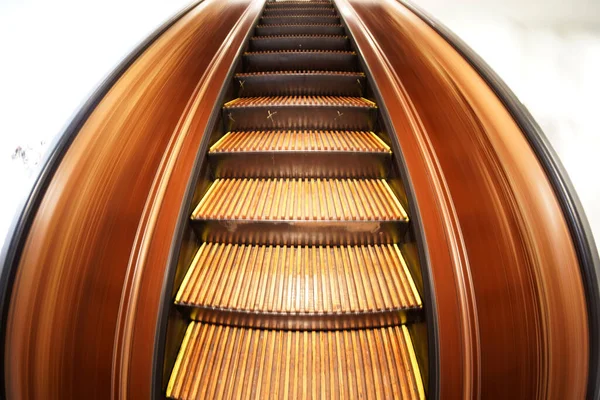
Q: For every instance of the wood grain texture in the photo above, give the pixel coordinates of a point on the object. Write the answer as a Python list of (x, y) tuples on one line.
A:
[(511, 312), (300, 199), (299, 280), (223, 362), (81, 321)]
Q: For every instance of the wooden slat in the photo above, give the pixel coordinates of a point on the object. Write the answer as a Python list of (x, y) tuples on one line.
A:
[(352, 141), (282, 279), (281, 101), (220, 361), (315, 199)]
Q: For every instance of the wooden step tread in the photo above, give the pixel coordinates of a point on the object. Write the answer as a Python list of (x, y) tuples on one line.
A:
[(300, 200), (299, 280), (261, 141), (295, 101), (218, 361)]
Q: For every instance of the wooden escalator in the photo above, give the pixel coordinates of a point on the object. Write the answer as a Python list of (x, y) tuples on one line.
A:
[(300, 288)]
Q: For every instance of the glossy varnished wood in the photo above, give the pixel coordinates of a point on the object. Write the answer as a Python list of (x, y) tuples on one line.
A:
[(299, 280), (223, 362), (82, 322), (511, 315)]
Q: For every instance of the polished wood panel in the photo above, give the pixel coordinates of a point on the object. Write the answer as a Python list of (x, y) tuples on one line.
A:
[(511, 314), (82, 322)]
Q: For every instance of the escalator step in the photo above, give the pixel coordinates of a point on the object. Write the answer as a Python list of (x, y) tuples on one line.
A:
[(300, 154), (300, 19), (301, 83), (300, 112), (300, 141), (300, 199), (294, 29), (270, 12), (218, 361), (309, 287), (322, 60), (299, 42)]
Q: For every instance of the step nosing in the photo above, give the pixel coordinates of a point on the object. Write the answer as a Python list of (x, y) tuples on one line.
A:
[(294, 36), (349, 52), (267, 313), (299, 72)]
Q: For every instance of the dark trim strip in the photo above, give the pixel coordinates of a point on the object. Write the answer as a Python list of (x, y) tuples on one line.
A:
[(572, 208), (183, 219), (428, 295), (19, 230)]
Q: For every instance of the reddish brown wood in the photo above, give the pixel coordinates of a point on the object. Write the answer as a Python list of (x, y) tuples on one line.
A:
[(81, 320), (511, 312)]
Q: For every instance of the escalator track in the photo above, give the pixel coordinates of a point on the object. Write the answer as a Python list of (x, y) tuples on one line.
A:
[(300, 288)]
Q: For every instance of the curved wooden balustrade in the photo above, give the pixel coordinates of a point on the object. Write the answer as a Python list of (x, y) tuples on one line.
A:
[(82, 320), (511, 311)]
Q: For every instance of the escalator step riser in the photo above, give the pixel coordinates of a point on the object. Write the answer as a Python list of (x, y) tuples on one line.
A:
[(300, 165), (300, 117), (300, 19), (299, 42), (299, 29), (301, 60), (228, 362), (317, 83)]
